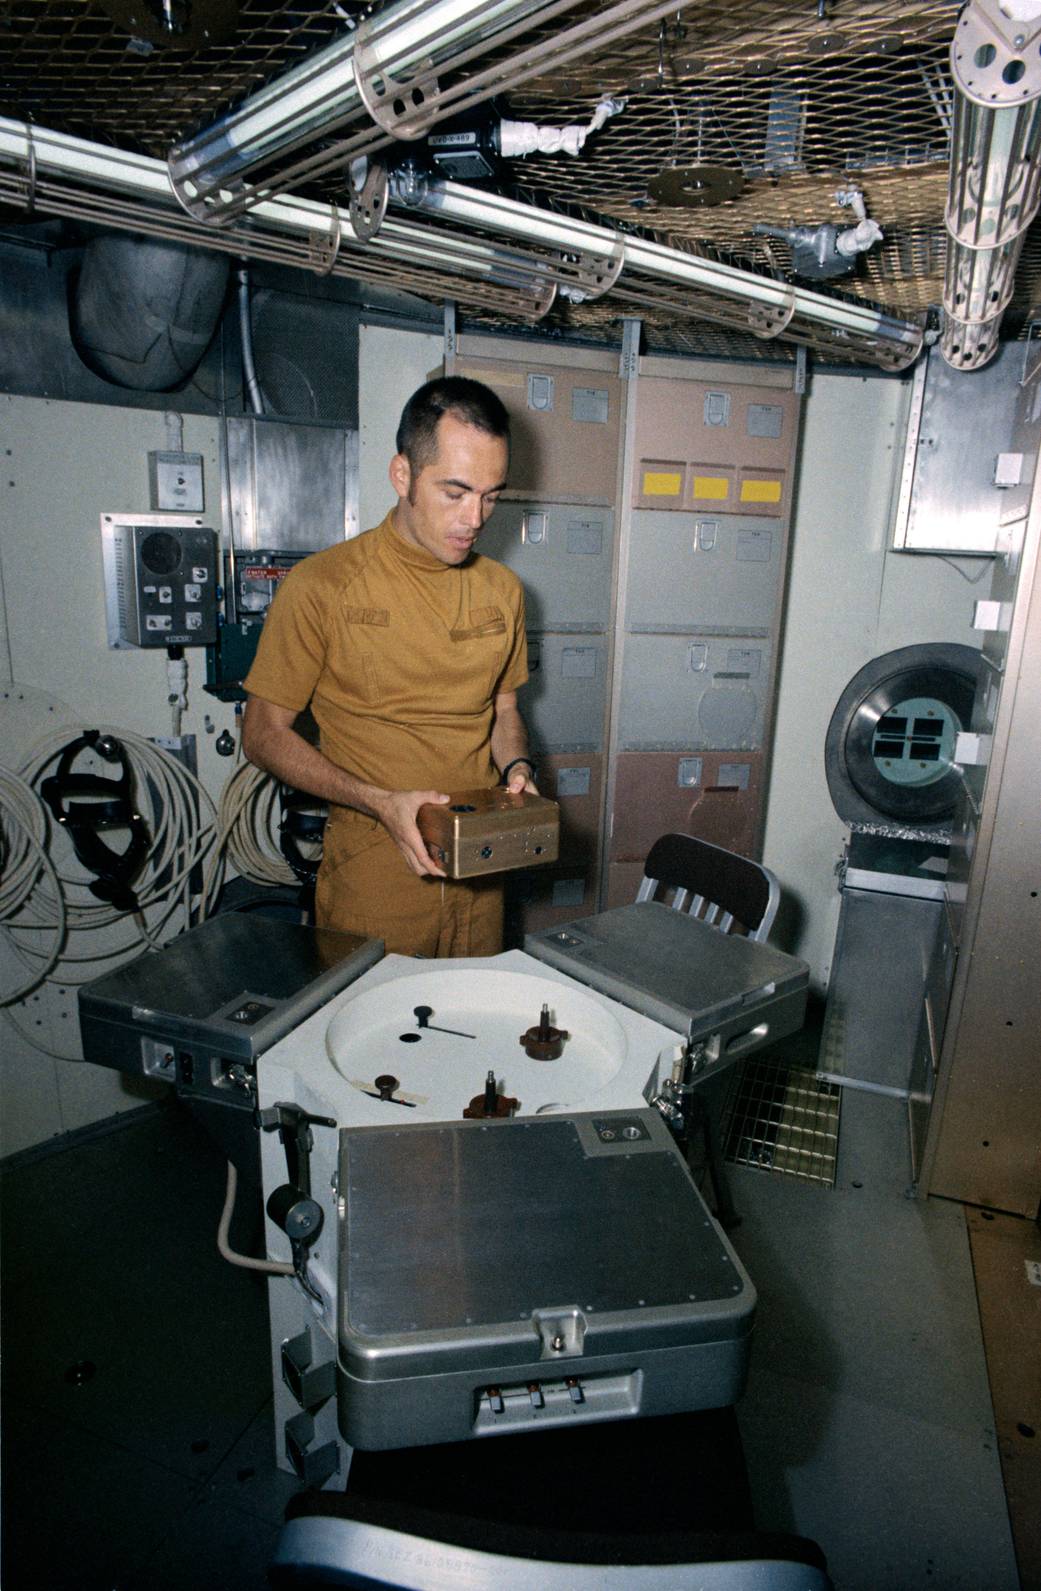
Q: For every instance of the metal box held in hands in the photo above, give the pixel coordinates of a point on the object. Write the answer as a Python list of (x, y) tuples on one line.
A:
[(503, 1276), (490, 831)]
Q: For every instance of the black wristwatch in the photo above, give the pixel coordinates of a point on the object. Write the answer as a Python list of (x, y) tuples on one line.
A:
[(505, 776)]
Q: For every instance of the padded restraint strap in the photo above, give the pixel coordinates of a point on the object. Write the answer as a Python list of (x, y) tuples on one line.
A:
[(103, 804), (299, 821)]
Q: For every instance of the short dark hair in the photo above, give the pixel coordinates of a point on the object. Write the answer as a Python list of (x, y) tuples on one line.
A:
[(469, 401)]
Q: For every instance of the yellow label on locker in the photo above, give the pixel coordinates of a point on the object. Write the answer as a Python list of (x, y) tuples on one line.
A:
[(658, 483), (760, 491), (711, 488)]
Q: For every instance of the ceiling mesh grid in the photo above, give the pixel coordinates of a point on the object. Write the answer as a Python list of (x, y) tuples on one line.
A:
[(770, 101)]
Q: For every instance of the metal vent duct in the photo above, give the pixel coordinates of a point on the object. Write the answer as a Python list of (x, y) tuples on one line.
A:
[(144, 312)]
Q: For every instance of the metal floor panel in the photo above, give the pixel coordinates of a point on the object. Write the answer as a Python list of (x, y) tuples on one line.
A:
[(780, 1117)]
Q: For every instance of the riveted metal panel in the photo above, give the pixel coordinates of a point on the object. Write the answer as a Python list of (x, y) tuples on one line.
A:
[(716, 446), (689, 691), (562, 554), (293, 487), (564, 700), (562, 447), (708, 572), (652, 797)]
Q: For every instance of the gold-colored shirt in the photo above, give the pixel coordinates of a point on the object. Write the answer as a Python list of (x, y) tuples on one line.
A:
[(399, 655)]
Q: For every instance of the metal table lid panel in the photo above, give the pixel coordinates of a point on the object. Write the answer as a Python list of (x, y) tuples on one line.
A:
[(241, 978), (668, 965), (457, 1236)]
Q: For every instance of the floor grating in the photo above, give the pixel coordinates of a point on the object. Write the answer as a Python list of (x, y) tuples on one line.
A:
[(782, 1118)]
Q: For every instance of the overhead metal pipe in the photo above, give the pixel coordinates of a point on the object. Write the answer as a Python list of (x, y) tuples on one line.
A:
[(398, 74), (356, 76), (994, 186), (58, 174), (542, 252), (660, 263)]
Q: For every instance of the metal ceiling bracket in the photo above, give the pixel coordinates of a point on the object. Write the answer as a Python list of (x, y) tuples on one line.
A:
[(994, 59), (543, 299), (770, 320), (629, 359), (403, 109), (894, 356), (323, 251), (695, 187), (30, 177), (369, 203), (597, 273)]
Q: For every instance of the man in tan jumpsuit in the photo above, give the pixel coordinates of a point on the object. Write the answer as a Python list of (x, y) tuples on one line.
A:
[(410, 648)]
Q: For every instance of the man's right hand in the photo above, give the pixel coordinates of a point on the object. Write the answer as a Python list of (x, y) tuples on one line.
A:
[(397, 810), (270, 741)]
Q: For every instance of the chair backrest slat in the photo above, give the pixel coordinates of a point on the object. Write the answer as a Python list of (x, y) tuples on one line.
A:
[(731, 888)]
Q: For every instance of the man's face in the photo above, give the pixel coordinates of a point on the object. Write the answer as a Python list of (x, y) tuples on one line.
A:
[(442, 506)]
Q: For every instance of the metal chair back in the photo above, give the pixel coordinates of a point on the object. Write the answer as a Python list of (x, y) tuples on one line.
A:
[(721, 887)]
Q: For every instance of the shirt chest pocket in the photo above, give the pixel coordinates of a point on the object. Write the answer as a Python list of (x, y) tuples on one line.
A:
[(479, 651), (366, 633), (427, 668)]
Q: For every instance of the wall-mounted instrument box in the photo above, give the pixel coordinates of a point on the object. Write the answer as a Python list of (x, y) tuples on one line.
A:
[(160, 580), (175, 482)]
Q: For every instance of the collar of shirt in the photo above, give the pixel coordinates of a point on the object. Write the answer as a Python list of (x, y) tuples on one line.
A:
[(405, 552)]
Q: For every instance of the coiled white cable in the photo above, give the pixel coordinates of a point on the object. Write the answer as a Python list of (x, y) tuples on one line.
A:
[(43, 896), (181, 818), (248, 819), (31, 899)]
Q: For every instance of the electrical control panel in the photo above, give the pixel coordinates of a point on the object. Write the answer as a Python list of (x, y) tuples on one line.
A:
[(160, 580), (253, 577)]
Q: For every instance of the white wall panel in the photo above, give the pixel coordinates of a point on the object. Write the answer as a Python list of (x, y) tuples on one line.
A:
[(391, 365), (849, 599), (562, 554), (66, 464), (69, 462)]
